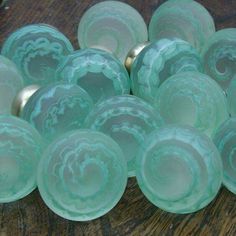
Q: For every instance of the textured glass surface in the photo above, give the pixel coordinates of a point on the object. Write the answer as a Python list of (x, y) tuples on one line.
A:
[(11, 83), (127, 119), (57, 108), (219, 56), (225, 141), (113, 25), (20, 151), (231, 97), (179, 169), (185, 19), (82, 175), (37, 50), (194, 99), (160, 60), (97, 72)]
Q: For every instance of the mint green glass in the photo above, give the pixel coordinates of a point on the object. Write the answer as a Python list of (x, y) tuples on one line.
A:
[(56, 109), (185, 19), (231, 95), (20, 151), (11, 82), (37, 50), (82, 175), (219, 56), (127, 119), (225, 141), (192, 98), (96, 71), (112, 25), (160, 60), (179, 169)]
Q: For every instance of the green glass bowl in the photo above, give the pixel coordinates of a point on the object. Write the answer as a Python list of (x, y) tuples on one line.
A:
[(11, 82), (185, 19), (56, 109), (96, 71), (82, 175), (127, 119), (219, 56), (112, 25), (37, 50), (160, 60), (179, 169), (192, 98), (225, 141), (20, 151)]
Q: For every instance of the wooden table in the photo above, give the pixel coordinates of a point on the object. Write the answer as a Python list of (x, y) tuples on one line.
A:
[(133, 215)]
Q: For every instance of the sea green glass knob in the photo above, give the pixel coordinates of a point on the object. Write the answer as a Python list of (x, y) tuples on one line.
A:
[(82, 175), (113, 25), (37, 50), (194, 99), (225, 141), (185, 19), (20, 152), (97, 72), (57, 108), (127, 119), (158, 61), (219, 56), (179, 169), (11, 82)]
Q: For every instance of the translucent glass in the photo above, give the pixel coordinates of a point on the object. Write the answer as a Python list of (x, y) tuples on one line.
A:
[(20, 152), (179, 169), (11, 82), (219, 56), (231, 95), (225, 140), (97, 72), (112, 25), (37, 50), (158, 61), (82, 175), (127, 119), (57, 108), (194, 99), (185, 19)]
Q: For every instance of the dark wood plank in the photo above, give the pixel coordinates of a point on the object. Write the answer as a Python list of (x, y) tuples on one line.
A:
[(133, 215)]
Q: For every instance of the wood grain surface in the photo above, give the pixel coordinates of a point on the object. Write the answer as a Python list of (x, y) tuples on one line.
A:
[(133, 215)]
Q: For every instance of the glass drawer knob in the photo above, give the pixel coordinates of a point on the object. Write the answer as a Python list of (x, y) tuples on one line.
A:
[(57, 108), (113, 25), (219, 57), (37, 50), (179, 169), (82, 175), (194, 99), (185, 19), (11, 82), (160, 60), (20, 151), (96, 71), (127, 119)]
